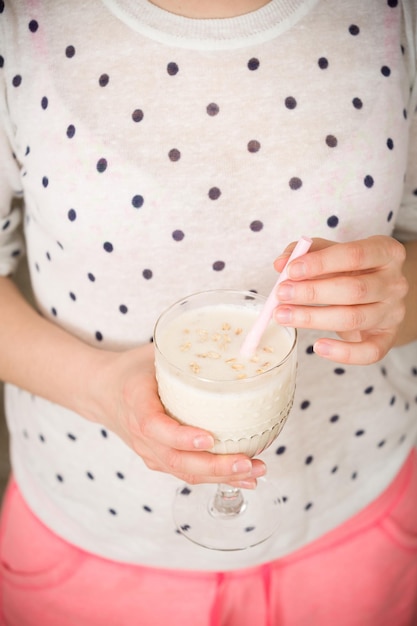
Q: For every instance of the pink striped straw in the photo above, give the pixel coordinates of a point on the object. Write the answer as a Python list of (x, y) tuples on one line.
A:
[(253, 337)]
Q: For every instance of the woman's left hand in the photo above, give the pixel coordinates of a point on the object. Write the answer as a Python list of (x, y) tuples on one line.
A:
[(356, 289)]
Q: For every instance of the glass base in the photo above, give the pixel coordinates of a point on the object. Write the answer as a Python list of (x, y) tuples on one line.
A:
[(197, 519)]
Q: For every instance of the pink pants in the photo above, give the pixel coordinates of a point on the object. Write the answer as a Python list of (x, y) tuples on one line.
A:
[(362, 574)]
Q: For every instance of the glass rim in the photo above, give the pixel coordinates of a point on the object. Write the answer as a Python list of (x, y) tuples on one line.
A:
[(196, 377)]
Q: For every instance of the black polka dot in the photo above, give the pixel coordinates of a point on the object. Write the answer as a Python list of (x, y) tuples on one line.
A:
[(256, 226), (69, 52), (72, 296), (42, 438), (385, 71), (254, 146), (357, 103), (354, 476), (1, 6), (33, 26), (332, 221), (178, 235), (98, 336), (339, 371), (331, 141), (308, 506), (45, 181), (16, 80), (295, 183), (101, 165), (44, 103), (103, 80), (137, 115), (249, 529), (137, 201), (120, 475), (147, 508), (90, 476), (104, 433), (290, 102), (214, 193), (71, 437), (323, 63), (174, 155), (310, 350), (1, 61), (334, 469), (108, 246), (334, 419), (123, 309), (305, 404), (392, 3), (359, 433), (172, 69), (27, 151), (147, 274), (185, 491), (309, 460), (212, 109), (60, 478), (368, 390), (354, 29), (368, 181), (390, 143), (218, 266), (112, 512), (280, 450), (91, 277), (381, 443), (390, 216), (253, 64), (70, 131), (54, 312)]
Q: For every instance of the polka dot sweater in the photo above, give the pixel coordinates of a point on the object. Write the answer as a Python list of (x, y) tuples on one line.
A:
[(159, 155)]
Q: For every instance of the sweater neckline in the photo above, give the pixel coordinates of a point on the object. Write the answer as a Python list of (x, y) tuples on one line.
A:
[(252, 28)]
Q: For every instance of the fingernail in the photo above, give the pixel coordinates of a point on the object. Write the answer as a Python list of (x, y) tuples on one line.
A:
[(322, 349), (297, 269), (283, 315), (247, 484), (203, 442), (258, 470), (285, 292), (244, 466)]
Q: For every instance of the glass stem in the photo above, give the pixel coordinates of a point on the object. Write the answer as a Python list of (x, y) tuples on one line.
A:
[(227, 502)]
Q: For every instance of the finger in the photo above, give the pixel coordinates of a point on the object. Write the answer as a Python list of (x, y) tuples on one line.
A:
[(370, 253), (344, 289), (341, 318), (160, 427), (356, 353), (206, 467)]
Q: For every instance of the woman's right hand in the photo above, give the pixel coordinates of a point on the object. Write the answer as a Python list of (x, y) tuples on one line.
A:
[(126, 401)]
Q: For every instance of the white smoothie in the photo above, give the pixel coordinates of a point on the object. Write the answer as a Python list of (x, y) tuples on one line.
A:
[(203, 381)]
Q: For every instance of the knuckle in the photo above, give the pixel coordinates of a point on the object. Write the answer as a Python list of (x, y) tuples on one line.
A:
[(355, 255), (354, 319), (361, 289), (310, 292), (173, 460)]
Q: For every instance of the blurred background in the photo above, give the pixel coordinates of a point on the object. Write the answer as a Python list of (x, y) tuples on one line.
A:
[(22, 279)]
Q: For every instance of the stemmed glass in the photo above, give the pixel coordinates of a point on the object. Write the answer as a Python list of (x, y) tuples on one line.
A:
[(245, 412)]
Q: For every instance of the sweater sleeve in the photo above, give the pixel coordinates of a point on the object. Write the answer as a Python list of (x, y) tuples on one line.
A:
[(11, 241), (406, 223)]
